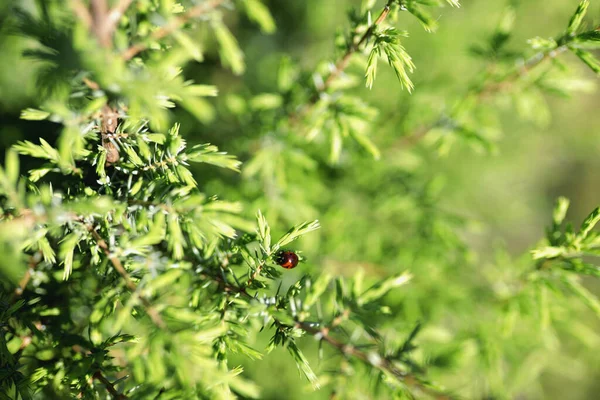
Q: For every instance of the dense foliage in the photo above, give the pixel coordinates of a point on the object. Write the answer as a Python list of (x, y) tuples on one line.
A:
[(138, 260)]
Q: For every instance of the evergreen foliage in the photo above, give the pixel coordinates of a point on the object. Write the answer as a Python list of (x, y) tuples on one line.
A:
[(124, 275)]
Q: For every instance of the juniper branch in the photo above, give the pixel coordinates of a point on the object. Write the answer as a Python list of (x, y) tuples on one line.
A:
[(492, 87), (99, 14), (168, 29), (109, 386), (82, 12), (115, 14), (341, 64), (152, 313), (34, 260), (383, 364)]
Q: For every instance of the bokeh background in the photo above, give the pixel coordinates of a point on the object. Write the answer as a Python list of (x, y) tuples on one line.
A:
[(456, 219)]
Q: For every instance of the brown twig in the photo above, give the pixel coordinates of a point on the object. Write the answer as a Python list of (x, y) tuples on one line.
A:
[(381, 363), (488, 89), (115, 14), (34, 260), (152, 313), (82, 12), (99, 15), (341, 65), (109, 386), (255, 275), (493, 87), (166, 30)]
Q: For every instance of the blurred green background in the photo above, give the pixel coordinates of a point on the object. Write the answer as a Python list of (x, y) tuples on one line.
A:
[(373, 212)]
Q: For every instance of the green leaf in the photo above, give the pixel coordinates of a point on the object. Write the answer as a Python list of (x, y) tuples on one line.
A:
[(362, 139), (316, 289), (371, 71), (336, 146), (560, 210), (296, 232), (302, 364), (588, 298), (388, 42), (264, 232), (576, 19), (548, 252), (33, 114), (202, 90), (12, 166), (67, 250), (175, 239), (589, 59), (589, 223), (426, 20), (229, 50), (266, 101), (544, 44), (38, 151), (155, 235), (165, 279), (260, 14), (380, 289), (210, 154), (193, 47), (586, 40)]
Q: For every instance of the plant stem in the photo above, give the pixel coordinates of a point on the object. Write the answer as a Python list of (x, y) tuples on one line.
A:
[(383, 364), (340, 65), (34, 260), (115, 14), (109, 386), (489, 88), (166, 30), (152, 313), (82, 12)]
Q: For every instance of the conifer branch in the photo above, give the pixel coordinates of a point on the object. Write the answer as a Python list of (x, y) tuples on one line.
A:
[(115, 14), (99, 14), (383, 364), (342, 63), (168, 29), (34, 260), (109, 386), (82, 12), (152, 313), (492, 87)]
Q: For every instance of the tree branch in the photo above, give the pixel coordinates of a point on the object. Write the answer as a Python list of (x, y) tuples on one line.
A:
[(341, 65), (109, 386), (382, 363), (166, 30), (115, 15), (34, 260), (489, 88), (82, 12), (99, 14), (152, 313)]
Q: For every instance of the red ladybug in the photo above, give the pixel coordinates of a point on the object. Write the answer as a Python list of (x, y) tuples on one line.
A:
[(287, 259)]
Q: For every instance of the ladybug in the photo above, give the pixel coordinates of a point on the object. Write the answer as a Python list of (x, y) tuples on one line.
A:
[(287, 259)]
